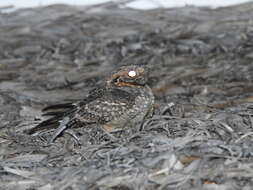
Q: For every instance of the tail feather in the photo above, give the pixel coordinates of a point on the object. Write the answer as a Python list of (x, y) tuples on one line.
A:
[(42, 126), (52, 113), (59, 106), (58, 112)]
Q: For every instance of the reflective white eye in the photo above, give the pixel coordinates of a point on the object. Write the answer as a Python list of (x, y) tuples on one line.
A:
[(132, 73)]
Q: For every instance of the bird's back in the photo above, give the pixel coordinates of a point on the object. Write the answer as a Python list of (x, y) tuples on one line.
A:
[(124, 100)]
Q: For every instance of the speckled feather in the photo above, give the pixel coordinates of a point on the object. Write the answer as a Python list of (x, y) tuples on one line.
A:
[(124, 100)]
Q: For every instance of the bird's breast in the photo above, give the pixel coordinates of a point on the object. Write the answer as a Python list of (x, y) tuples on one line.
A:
[(144, 102), (142, 106)]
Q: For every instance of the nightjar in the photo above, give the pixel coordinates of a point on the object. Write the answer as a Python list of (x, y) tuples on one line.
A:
[(124, 100)]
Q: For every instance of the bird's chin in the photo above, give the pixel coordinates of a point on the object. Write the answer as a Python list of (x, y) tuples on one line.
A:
[(140, 82), (129, 84)]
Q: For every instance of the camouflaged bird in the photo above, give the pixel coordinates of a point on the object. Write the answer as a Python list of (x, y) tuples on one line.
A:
[(125, 100)]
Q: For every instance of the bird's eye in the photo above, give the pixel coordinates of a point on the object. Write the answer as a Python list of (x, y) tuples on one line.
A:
[(132, 73)]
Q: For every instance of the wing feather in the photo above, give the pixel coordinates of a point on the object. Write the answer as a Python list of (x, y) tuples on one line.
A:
[(93, 109)]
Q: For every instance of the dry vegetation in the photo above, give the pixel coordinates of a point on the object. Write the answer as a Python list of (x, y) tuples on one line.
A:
[(202, 76)]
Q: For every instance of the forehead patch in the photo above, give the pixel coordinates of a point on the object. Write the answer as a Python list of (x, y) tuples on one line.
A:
[(132, 73)]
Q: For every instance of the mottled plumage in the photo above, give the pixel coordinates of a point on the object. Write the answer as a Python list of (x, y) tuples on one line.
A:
[(125, 100)]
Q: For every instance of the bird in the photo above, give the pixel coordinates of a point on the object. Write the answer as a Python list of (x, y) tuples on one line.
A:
[(124, 100)]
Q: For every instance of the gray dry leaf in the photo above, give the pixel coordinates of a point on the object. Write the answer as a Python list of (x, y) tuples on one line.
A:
[(200, 63)]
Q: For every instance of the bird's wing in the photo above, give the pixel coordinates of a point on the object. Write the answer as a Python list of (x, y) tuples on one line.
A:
[(96, 108), (111, 104)]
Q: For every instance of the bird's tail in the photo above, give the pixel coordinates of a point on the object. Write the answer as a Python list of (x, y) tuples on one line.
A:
[(58, 112)]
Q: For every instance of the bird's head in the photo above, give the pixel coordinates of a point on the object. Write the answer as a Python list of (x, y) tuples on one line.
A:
[(129, 75)]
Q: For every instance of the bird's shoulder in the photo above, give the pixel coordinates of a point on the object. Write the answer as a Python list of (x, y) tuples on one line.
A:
[(107, 95)]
